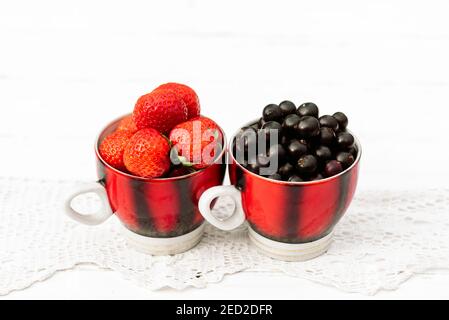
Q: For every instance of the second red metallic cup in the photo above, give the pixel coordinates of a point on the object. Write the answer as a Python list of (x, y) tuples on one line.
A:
[(160, 216), (287, 220)]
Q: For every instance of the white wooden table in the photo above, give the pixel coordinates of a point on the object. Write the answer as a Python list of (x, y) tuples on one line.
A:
[(66, 70)]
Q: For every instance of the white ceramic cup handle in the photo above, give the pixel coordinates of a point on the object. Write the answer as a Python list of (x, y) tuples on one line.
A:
[(94, 218), (236, 218)]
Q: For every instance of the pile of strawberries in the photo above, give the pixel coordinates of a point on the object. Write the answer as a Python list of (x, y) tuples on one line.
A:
[(165, 136)]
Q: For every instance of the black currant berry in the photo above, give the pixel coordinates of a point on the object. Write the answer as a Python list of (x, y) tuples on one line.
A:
[(247, 136), (308, 127), (345, 158), (308, 109), (286, 170), (290, 123), (295, 178), (319, 176), (275, 176), (342, 120), (353, 151), (332, 168), (263, 161), (323, 153), (345, 140), (285, 140), (287, 107), (277, 151), (253, 167), (271, 127), (307, 164), (327, 136), (296, 149), (329, 122), (305, 142), (272, 112)]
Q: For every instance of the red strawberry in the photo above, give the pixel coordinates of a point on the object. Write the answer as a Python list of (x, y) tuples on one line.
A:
[(161, 109), (187, 94), (127, 124), (147, 154), (197, 141), (112, 148)]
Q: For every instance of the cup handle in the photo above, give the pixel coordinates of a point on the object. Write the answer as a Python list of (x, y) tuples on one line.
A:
[(94, 218), (238, 216)]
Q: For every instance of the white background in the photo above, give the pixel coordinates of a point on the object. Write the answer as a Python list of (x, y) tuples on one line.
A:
[(68, 68)]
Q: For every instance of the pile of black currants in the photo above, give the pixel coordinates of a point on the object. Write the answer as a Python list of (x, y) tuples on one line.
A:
[(302, 145)]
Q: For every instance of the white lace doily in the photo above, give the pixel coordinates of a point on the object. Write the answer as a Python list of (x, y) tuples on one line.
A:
[(384, 239)]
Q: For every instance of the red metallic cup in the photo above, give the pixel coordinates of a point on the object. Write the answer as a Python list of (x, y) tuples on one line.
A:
[(160, 216), (287, 220)]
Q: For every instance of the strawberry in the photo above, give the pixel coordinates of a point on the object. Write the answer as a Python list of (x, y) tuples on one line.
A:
[(147, 154), (161, 109), (127, 124), (196, 142), (112, 147), (187, 94)]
